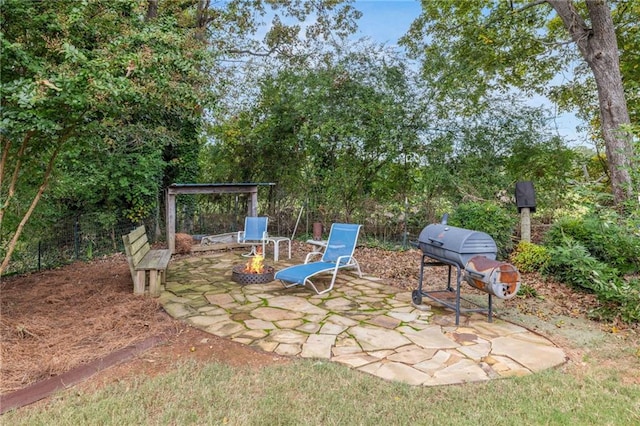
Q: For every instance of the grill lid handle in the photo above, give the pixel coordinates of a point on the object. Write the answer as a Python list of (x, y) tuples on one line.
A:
[(438, 242)]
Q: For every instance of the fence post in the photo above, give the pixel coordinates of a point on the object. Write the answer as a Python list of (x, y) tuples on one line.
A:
[(406, 219), (76, 239)]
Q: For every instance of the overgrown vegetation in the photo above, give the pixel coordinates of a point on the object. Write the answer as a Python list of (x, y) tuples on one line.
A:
[(603, 236), (590, 253)]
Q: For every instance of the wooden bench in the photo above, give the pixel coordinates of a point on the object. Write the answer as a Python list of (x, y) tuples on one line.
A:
[(143, 261)]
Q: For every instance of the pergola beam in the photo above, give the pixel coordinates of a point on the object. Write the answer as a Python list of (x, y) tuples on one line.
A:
[(206, 188)]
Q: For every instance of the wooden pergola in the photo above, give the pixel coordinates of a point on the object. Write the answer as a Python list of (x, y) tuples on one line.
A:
[(206, 188)]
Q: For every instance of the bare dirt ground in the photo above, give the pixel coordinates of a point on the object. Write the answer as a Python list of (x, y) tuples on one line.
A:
[(54, 321)]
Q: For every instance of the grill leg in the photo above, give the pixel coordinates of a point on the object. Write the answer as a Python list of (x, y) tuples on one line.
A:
[(490, 308), (421, 274), (416, 295), (458, 282)]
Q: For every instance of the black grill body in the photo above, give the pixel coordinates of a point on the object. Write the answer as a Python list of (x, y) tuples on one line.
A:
[(472, 254)]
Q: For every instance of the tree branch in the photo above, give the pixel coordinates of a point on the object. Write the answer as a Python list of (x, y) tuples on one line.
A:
[(252, 53), (529, 5), (16, 170), (34, 202), (573, 22)]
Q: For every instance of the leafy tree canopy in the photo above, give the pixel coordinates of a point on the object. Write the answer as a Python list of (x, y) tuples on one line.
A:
[(473, 48)]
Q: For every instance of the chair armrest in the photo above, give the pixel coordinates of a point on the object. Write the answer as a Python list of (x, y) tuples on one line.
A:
[(310, 255), (341, 258)]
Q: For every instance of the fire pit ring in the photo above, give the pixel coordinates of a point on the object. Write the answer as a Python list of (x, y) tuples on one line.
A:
[(239, 275)]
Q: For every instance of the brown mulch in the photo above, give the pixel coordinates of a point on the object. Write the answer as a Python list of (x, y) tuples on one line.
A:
[(55, 320), (58, 320)]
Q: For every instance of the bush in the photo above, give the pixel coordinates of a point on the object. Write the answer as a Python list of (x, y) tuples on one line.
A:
[(529, 257), (490, 218), (603, 238), (572, 264)]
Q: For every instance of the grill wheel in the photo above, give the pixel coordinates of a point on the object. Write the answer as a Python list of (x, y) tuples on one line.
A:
[(416, 297)]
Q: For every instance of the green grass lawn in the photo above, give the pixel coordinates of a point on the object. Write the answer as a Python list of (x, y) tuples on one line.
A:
[(308, 392)]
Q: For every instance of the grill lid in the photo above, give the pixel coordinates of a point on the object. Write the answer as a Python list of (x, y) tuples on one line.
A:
[(454, 244)]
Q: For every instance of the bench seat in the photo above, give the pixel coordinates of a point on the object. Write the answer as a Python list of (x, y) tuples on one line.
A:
[(145, 262)]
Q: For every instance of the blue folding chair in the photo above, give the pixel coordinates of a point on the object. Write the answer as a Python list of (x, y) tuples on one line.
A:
[(337, 255), (255, 232)]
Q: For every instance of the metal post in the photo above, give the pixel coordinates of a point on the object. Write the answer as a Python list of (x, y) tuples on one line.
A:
[(76, 239), (406, 219)]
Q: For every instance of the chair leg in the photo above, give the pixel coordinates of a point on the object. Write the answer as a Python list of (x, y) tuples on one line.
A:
[(289, 285), (154, 284), (139, 285), (326, 290), (252, 253), (357, 265)]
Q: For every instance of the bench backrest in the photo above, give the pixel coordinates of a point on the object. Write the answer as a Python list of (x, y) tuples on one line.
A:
[(136, 246)]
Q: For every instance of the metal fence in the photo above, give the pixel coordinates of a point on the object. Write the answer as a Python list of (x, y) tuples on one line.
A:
[(80, 238), (86, 237)]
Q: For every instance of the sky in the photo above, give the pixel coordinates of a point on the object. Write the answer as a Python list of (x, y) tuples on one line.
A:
[(385, 21)]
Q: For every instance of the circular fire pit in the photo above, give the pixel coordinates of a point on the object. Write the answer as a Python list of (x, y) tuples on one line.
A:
[(239, 275)]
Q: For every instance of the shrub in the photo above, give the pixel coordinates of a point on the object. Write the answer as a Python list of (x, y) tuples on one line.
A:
[(572, 264), (529, 257), (602, 237), (490, 218), (620, 300)]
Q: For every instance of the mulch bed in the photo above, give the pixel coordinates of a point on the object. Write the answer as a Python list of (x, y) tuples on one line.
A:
[(56, 320)]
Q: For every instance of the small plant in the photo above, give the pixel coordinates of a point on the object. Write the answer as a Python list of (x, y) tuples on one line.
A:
[(526, 291), (529, 257)]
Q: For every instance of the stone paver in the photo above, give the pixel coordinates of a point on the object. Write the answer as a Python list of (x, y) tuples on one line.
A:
[(362, 323)]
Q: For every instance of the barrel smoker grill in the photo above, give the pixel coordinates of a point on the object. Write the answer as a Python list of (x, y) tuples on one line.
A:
[(472, 254)]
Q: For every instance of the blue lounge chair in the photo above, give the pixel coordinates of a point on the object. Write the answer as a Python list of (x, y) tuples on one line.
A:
[(255, 232), (337, 255)]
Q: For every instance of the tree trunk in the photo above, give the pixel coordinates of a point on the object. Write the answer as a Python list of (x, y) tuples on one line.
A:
[(599, 47), (152, 10), (45, 181)]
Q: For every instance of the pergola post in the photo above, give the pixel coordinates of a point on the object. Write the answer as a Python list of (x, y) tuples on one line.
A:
[(171, 220)]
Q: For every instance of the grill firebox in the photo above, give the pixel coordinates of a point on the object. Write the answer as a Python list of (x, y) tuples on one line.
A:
[(472, 254)]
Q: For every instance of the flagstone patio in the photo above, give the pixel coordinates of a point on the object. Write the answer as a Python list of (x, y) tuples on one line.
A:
[(362, 323)]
